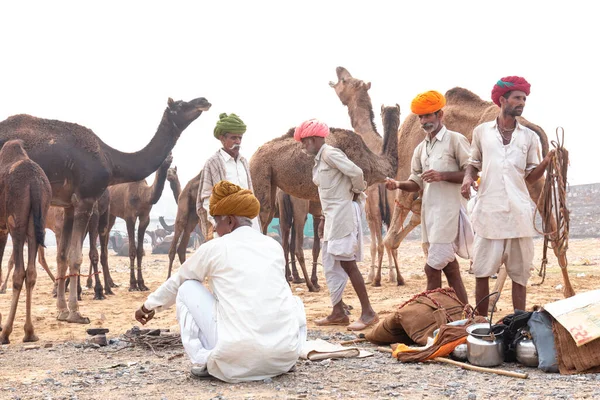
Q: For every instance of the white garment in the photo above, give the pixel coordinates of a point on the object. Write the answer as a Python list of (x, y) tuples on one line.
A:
[(259, 321), (235, 172), (440, 254), (504, 208), (348, 248), (516, 254)]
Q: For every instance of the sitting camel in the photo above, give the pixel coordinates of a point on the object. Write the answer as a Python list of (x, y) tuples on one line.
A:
[(293, 213), (133, 202), (24, 203)]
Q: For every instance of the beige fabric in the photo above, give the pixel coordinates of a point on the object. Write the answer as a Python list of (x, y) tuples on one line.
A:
[(348, 248), (440, 254), (338, 179), (516, 254), (216, 170), (447, 151), (504, 209)]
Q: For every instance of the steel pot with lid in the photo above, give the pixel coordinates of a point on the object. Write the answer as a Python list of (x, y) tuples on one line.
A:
[(527, 353), (485, 345)]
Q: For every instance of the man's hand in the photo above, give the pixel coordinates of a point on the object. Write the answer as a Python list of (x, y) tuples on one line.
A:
[(465, 189), (142, 316), (432, 176), (321, 228), (391, 184), (549, 156)]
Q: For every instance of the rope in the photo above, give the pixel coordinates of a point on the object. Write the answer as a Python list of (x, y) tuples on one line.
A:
[(76, 274), (554, 198)]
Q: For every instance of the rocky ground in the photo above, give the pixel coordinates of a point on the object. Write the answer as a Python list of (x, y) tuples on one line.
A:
[(64, 365)]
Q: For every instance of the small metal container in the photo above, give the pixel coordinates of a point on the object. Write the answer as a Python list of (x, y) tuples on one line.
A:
[(527, 353), (483, 348), (460, 352)]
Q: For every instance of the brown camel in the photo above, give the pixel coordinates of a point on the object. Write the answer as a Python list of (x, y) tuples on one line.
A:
[(133, 202), (464, 110), (353, 93), (293, 213), (185, 221), (173, 179), (80, 167), (24, 202), (270, 166)]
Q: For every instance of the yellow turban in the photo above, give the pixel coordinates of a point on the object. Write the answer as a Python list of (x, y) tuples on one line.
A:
[(230, 199), (428, 103)]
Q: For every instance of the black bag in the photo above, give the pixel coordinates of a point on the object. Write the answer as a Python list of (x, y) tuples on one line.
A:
[(516, 329)]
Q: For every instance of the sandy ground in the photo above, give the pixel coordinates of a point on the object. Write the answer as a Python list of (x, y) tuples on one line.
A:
[(116, 314)]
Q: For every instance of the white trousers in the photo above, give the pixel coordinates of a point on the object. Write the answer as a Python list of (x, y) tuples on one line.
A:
[(197, 316), (348, 248)]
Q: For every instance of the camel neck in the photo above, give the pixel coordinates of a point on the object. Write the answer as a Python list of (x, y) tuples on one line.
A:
[(175, 188), (361, 115)]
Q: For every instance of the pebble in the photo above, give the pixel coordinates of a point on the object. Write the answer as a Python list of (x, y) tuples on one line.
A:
[(268, 380), (472, 396)]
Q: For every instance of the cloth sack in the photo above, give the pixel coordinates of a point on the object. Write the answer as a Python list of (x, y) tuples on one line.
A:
[(388, 331), (540, 327)]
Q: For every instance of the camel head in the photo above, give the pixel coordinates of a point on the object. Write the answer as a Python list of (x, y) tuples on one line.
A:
[(172, 174), (12, 151), (182, 113), (348, 87)]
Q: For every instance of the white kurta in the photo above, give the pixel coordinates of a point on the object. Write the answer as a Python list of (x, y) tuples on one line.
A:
[(258, 318)]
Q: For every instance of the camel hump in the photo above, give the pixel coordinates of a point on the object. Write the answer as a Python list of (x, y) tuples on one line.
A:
[(458, 95)]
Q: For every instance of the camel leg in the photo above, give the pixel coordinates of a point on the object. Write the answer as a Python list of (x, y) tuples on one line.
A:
[(316, 249), (497, 288), (391, 271), (173, 249), (130, 223), (94, 258), (18, 280), (103, 233), (143, 224), (82, 213), (296, 252), (299, 251), (30, 279), (63, 244), (3, 239)]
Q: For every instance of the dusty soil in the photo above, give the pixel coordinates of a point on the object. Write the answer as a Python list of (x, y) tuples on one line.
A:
[(66, 366)]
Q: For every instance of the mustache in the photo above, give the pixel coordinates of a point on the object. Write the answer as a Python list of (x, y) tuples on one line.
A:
[(307, 153), (428, 125), (235, 146)]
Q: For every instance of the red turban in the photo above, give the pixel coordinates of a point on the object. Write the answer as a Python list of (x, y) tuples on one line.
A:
[(427, 103), (507, 84), (311, 128)]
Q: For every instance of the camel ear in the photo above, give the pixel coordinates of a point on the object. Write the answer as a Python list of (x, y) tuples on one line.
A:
[(382, 108), (170, 102), (175, 168), (368, 85), (398, 106)]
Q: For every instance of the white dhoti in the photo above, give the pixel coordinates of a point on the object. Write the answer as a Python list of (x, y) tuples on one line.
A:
[(516, 254), (348, 248), (441, 254), (197, 316)]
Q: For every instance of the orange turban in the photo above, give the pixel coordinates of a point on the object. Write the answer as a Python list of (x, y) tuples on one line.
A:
[(427, 103), (230, 199)]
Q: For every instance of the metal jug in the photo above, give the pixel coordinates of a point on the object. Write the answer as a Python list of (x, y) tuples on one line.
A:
[(485, 346)]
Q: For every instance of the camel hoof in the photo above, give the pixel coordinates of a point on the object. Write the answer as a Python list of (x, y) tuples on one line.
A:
[(400, 281), (112, 284), (76, 318), (314, 289), (133, 288), (107, 290), (4, 340), (62, 315), (3, 291), (298, 280), (142, 287), (376, 283), (30, 338), (99, 296), (89, 284)]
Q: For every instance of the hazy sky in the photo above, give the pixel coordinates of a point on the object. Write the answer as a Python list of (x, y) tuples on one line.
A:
[(112, 65)]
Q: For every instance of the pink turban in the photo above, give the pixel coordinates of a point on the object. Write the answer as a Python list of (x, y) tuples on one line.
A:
[(507, 84), (311, 128)]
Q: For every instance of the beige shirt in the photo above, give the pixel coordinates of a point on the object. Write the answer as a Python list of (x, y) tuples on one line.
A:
[(338, 179), (447, 151), (504, 209)]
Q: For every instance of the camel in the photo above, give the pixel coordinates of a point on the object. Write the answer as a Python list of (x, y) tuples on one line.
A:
[(80, 167), (464, 110), (292, 218), (133, 202), (24, 203), (353, 93), (173, 179), (270, 166), (185, 221)]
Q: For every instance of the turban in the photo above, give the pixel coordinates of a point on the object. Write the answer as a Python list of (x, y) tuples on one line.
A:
[(229, 124), (230, 199), (311, 128), (508, 84), (427, 103)]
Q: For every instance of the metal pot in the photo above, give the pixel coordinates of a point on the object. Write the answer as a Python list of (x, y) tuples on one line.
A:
[(527, 353), (460, 352), (485, 348)]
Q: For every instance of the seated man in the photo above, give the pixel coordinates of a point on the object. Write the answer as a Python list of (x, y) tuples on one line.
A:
[(249, 326)]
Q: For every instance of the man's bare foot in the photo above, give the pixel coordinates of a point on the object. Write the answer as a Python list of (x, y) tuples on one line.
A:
[(359, 325), (332, 321)]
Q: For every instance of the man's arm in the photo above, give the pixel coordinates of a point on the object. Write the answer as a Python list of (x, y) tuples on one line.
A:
[(414, 182), (461, 154), (538, 171), (339, 160)]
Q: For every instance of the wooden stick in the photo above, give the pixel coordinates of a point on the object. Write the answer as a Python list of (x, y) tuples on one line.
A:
[(469, 366), (353, 341), (481, 369)]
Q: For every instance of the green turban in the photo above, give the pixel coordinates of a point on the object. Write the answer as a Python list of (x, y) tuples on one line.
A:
[(229, 124)]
